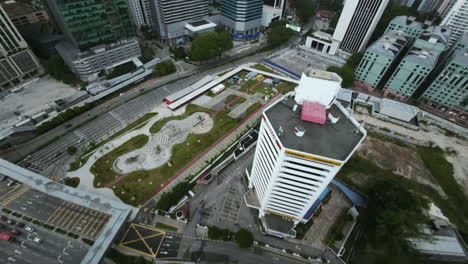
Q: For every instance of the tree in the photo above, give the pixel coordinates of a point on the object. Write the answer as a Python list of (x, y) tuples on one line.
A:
[(71, 150), (244, 238), (305, 9), (394, 214), (209, 45), (346, 73), (279, 34), (179, 52), (170, 198), (121, 70), (164, 68), (56, 68)]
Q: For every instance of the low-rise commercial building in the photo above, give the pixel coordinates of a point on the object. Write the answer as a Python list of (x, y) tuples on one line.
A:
[(418, 63), (378, 59)]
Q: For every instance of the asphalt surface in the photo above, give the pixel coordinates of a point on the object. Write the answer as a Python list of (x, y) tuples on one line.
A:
[(71, 217), (113, 116), (54, 248)]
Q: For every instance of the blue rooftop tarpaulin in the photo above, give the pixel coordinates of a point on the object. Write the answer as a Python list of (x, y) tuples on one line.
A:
[(316, 204)]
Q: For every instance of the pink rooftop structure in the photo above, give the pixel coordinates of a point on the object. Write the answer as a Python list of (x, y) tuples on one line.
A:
[(313, 112)]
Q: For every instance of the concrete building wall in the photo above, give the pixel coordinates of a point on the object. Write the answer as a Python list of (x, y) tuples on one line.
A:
[(242, 18), (457, 20), (357, 23)]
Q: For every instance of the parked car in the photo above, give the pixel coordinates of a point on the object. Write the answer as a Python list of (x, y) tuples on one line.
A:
[(10, 183), (19, 224), (3, 218), (2, 178), (15, 232), (11, 222), (29, 229), (37, 240)]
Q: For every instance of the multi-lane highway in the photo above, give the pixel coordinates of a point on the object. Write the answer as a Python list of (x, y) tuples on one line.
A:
[(114, 116)]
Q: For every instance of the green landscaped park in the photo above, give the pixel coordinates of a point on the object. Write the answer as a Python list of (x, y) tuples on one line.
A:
[(138, 186)]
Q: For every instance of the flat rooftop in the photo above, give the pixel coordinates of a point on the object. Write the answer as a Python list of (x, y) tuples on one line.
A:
[(278, 223), (330, 140)]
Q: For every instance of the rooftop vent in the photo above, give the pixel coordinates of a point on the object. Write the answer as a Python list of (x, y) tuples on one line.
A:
[(386, 46), (299, 131)]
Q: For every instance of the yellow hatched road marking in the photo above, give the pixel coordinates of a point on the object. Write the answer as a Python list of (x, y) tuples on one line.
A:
[(60, 206), (77, 213), (15, 195), (63, 207), (72, 213), (96, 220), (95, 212), (65, 213), (77, 227), (98, 228), (12, 190)]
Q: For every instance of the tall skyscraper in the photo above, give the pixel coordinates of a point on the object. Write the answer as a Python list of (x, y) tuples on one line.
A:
[(457, 20), (378, 59), (99, 33), (357, 23), (427, 6), (17, 62), (143, 13), (173, 15), (242, 18), (304, 140), (420, 60)]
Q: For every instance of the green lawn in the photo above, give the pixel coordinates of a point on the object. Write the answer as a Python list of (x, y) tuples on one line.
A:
[(102, 168), (135, 192), (260, 67), (166, 227), (287, 86), (135, 125), (263, 89), (248, 84), (252, 109), (231, 97), (188, 112), (119, 258)]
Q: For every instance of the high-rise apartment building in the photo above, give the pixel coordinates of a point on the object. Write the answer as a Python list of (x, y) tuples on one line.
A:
[(420, 60), (427, 6), (378, 59), (357, 23), (24, 15), (444, 7), (304, 140), (173, 15), (242, 18), (17, 62), (99, 34), (450, 87), (408, 25), (142, 12), (457, 20)]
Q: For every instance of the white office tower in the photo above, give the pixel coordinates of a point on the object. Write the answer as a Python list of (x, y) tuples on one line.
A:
[(355, 26), (457, 20), (304, 140), (357, 23), (142, 12)]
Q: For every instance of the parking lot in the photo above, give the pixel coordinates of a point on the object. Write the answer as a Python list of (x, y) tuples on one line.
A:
[(299, 61), (38, 246), (48, 209)]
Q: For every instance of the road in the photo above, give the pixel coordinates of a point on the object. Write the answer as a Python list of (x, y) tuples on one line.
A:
[(54, 248), (113, 116)]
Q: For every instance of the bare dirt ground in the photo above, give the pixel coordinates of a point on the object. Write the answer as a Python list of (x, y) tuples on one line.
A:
[(32, 100), (456, 148), (400, 160)]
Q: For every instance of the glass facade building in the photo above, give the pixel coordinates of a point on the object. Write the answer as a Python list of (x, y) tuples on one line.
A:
[(242, 18)]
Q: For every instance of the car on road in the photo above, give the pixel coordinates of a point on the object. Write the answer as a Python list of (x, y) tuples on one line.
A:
[(29, 229), (57, 154), (15, 232)]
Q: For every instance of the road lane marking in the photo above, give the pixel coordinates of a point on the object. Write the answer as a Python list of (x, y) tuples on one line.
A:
[(99, 228), (72, 221), (72, 213), (94, 211), (80, 222), (48, 220), (57, 213)]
